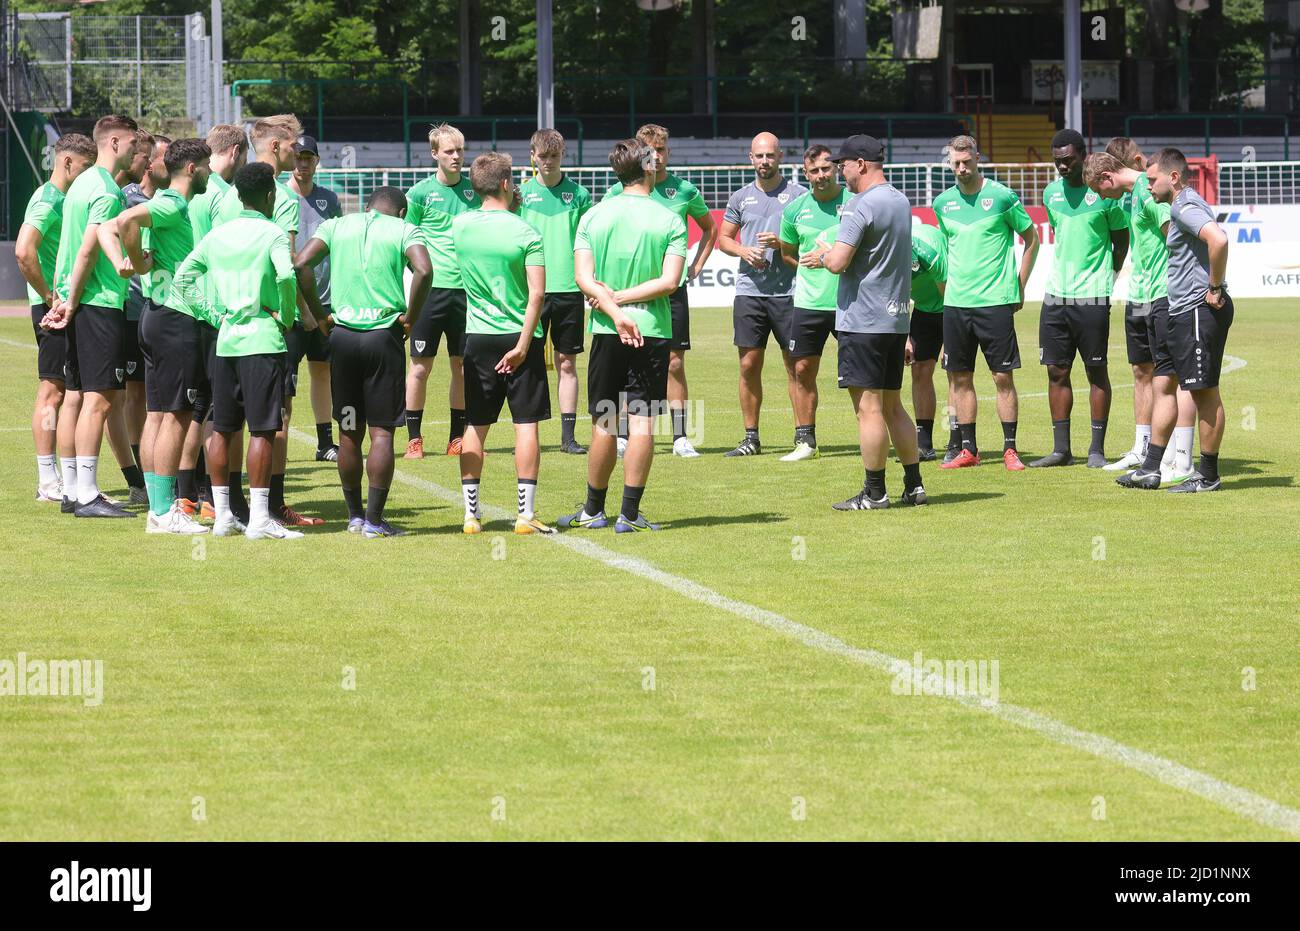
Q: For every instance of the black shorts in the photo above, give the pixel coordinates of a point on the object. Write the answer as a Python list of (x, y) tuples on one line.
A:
[(872, 360), (132, 354), (248, 388), (564, 319), (443, 315), (51, 348), (300, 343), (486, 389), (96, 339), (173, 364), (680, 303), (991, 330), (208, 363), (1137, 329), (808, 331), (1067, 326), (1196, 340), (619, 375), (927, 335), (754, 317), (368, 377)]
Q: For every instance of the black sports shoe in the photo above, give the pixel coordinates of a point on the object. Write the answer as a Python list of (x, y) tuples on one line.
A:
[(951, 453), (69, 506), (101, 507), (1140, 478), (328, 454), (927, 453), (1196, 483), (1096, 460), (573, 448), (748, 447), (915, 497), (860, 502), (1052, 459)]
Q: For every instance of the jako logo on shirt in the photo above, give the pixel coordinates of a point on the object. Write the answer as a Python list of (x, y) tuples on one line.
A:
[(88, 884), (987, 203)]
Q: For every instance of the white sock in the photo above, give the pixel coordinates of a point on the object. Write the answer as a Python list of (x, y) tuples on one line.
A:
[(45, 469), (69, 465), (469, 492), (1141, 438), (259, 505), (221, 502), (1183, 449), (87, 479), (527, 497)]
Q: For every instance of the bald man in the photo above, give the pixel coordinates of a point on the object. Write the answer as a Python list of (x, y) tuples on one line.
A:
[(764, 302)]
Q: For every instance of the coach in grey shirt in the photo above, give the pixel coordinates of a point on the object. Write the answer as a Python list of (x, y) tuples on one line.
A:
[(764, 302), (873, 257), (1189, 340)]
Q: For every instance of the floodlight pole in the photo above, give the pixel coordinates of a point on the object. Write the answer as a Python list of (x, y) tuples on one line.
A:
[(1073, 97), (545, 67)]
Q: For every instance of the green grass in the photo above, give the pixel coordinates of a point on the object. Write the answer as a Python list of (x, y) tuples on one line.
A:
[(521, 678)]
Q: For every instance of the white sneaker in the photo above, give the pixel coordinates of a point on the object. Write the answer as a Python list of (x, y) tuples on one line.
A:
[(1130, 460), (622, 446), (228, 527), (1171, 474), (270, 530), (178, 522), (50, 492), (682, 447), (156, 523), (801, 451)]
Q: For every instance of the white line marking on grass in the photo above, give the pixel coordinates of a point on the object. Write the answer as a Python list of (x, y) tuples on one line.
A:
[(1240, 801)]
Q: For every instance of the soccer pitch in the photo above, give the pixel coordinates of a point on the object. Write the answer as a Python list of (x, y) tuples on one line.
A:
[(724, 679)]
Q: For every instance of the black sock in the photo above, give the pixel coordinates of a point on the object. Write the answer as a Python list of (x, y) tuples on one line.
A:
[(875, 484), (324, 435), (1209, 466), (1154, 455), (201, 474), (751, 433), (954, 434), (1009, 434), (925, 433), (622, 427), (679, 423), (632, 501), (595, 500), (457, 428), (1098, 437), (806, 434), (413, 420), (567, 423), (911, 476), (353, 497), (238, 503), (375, 502), (135, 451), (967, 431), (1061, 436), (277, 493), (134, 477), (186, 486)]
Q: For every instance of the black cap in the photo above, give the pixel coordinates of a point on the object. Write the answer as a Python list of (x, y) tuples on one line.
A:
[(867, 148), (306, 144)]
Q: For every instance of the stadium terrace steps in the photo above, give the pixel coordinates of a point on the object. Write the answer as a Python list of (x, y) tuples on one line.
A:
[(1020, 137)]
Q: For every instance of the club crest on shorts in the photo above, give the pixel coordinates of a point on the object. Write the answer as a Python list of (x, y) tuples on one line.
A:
[(567, 197), (419, 346), (130, 368), (191, 394), (987, 203), (119, 373)]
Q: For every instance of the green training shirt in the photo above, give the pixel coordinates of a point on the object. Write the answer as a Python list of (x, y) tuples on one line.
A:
[(202, 206), (1082, 263), (1148, 279), (929, 267), (285, 215), (678, 195), (93, 198), (496, 246), (45, 215), (981, 229), (171, 239), (628, 238), (367, 264), (250, 273), (810, 224), (431, 206), (554, 212)]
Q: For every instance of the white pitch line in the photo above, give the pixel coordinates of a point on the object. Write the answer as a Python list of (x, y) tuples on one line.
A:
[(1240, 801)]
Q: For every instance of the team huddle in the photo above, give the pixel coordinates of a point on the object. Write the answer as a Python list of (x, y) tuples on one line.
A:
[(176, 287)]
